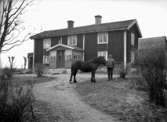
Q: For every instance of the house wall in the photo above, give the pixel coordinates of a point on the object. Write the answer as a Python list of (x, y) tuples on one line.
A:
[(38, 51), (64, 40), (80, 41), (54, 41), (90, 46), (129, 47), (116, 45)]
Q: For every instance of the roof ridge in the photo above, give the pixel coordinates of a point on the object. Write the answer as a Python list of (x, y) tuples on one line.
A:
[(108, 26), (91, 25)]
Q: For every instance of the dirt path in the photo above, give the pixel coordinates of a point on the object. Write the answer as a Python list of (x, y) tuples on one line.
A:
[(61, 92)]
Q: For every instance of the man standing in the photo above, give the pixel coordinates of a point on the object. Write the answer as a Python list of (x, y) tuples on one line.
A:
[(110, 66)]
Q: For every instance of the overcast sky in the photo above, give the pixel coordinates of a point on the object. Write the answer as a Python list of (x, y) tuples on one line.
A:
[(53, 14)]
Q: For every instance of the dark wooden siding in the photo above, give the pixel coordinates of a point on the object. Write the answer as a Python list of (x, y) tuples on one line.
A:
[(90, 46), (129, 47), (80, 41), (64, 40), (54, 41), (38, 50), (116, 45)]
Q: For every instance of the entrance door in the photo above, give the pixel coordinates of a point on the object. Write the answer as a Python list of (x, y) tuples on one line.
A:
[(60, 59)]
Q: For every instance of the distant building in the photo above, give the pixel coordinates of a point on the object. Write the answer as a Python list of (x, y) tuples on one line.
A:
[(152, 43), (30, 61), (153, 48), (59, 48)]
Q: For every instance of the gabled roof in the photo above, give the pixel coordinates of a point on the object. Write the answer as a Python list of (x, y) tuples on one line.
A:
[(112, 26), (64, 46), (152, 43)]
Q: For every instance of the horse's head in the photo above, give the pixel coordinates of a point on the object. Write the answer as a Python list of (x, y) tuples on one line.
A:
[(100, 60)]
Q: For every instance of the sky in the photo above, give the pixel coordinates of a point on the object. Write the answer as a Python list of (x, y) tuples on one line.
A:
[(53, 14)]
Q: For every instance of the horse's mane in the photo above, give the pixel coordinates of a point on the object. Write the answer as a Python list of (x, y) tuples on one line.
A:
[(96, 59)]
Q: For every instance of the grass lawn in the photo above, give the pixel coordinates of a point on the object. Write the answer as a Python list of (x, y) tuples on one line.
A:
[(126, 100)]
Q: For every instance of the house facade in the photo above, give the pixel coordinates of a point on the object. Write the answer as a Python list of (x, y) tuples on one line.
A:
[(59, 48)]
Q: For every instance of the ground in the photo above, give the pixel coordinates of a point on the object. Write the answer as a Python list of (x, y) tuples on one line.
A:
[(124, 100), (60, 93)]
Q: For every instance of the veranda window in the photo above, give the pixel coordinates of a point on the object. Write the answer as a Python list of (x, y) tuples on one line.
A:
[(72, 40)]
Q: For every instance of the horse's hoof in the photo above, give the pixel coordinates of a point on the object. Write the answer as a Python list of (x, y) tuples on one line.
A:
[(75, 81)]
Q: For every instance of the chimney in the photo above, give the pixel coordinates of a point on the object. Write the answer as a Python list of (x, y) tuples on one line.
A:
[(98, 19), (70, 24)]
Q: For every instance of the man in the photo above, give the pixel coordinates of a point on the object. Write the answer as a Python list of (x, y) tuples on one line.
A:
[(110, 66)]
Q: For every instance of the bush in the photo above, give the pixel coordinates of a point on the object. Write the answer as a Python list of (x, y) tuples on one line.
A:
[(39, 69), (122, 71), (16, 104), (153, 64), (6, 73)]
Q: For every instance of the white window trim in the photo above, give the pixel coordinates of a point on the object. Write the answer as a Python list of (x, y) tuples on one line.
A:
[(132, 39), (132, 56), (103, 53), (102, 34), (45, 59), (46, 43), (71, 40), (60, 41)]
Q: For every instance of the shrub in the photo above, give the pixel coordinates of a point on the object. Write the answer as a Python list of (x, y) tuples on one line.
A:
[(16, 104), (122, 71), (153, 66), (39, 69), (6, 73)]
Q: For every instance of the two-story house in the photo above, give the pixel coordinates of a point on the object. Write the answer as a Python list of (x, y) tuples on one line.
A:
[(59, 48)]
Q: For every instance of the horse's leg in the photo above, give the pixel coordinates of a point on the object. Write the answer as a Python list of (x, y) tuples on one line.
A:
[(75, 73), (71, 77), (93, 77)]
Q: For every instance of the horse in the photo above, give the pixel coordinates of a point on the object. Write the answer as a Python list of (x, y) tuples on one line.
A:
[(89, 66)]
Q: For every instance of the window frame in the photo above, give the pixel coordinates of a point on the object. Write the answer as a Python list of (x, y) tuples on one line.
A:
[(132, 39), (60, 41), (72, 40), (102, 35), (45, 59), (100, 53)]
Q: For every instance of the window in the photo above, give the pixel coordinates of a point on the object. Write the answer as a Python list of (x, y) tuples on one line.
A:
[(45, 59), (132, 39), (72, 40), (69, 57), (103, 53), (132, 56), (102, 38), (60, 40), (46, 43)]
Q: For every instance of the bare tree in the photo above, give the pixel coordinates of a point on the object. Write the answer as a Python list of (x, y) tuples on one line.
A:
[(11, 61), (10, 29), (25, 62)]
